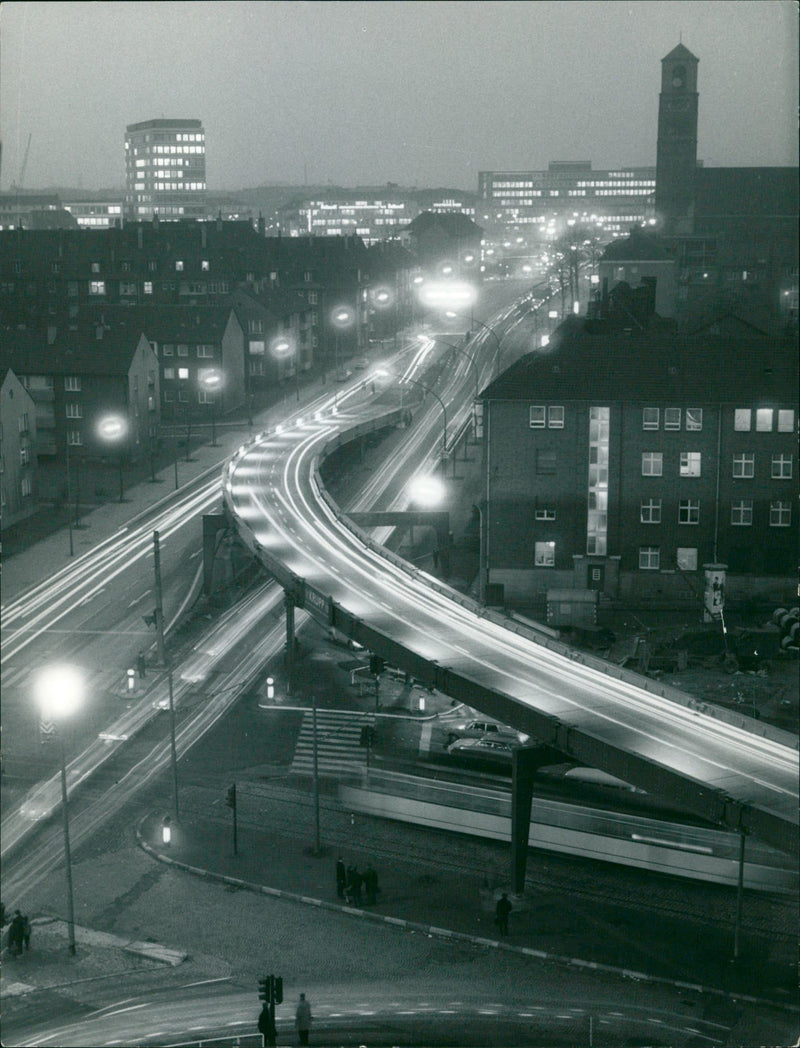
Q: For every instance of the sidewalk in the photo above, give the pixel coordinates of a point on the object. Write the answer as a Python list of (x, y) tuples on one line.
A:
[(422, 898)]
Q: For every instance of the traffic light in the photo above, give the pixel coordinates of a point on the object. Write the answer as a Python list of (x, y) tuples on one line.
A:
[(230, 800), (368, 735), (263, 989), (151, 620), (277, 989), (376, 665)]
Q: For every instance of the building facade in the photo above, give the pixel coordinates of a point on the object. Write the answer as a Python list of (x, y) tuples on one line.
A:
[(628, 456), (165, 170), (537, 201), (18, 451)]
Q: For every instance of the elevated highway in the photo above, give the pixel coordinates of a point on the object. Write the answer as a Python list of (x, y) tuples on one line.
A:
[(724, 773)]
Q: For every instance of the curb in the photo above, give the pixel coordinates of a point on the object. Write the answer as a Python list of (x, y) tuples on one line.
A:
[(446, 933)]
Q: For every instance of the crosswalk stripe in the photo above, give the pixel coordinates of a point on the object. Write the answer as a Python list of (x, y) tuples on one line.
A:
[(338, 742)]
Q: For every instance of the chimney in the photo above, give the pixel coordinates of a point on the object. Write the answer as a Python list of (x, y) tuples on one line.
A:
[(262, 225)]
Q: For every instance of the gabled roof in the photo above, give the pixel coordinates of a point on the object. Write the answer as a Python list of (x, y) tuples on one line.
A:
[(597, 362), (637, 246), (453, 222), (680, 53), (77, 352)]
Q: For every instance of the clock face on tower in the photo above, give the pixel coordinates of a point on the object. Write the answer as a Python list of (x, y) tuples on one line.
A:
[(678, 76)]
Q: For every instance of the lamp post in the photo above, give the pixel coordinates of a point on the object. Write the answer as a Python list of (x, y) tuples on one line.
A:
[(486, 327), (427, 389), (460, 349), (342, 317), (282, 348), (113, 429), (59, 692), (69, 503), (211, 381)]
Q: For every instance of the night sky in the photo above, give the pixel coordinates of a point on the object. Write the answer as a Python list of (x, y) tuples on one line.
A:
[(418, 93)]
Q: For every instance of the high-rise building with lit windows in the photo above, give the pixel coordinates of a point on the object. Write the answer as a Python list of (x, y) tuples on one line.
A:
[(165, 170)]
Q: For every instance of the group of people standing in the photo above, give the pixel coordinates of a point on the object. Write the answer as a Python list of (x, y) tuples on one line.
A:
[(350, 882), (19, 934)]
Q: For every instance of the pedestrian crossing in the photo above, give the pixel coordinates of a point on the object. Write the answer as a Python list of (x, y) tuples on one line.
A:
[(338, 743)]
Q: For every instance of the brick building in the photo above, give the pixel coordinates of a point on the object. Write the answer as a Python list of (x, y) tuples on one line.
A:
[(629, 454)]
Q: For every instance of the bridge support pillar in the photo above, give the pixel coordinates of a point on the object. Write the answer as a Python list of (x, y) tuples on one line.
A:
[(289, 604), (526, 762)]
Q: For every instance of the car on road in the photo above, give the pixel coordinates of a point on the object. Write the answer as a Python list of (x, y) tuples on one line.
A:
[(361, 364), (476, 728), (483, 751)]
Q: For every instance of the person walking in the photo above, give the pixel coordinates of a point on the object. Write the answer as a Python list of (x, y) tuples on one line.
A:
[(26, 933), (141, 665), (354, 880), (302, 1019), (341, 877), (15, 934), (266, 1026), (502, 910), (371, 885)]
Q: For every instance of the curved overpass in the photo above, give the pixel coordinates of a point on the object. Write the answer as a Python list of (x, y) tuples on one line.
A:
[(598, 716)]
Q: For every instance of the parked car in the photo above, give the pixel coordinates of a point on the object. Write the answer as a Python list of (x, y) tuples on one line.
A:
[(479, 729), (483, 751)]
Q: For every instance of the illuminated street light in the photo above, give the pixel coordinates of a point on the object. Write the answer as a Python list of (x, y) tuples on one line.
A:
[(427, 389), (59, 692), (342, 318), (113, 429), (211, 381), (447, 294), (282, 348)]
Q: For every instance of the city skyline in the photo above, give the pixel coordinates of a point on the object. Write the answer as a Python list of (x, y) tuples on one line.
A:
[(366, 93)]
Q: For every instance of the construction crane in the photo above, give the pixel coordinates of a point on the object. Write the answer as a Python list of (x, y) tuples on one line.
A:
[(23, 165)]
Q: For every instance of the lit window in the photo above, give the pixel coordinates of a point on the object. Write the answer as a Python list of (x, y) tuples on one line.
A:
[(97, 287), (744, 465), (689, 511), (649, 558), (74, 411), (544, 554), (650, 417), (785, 420), (690, 463), (650, 511), (742, 419), (672, 418), (545, 513), (537, 417), (764, 420), (72, 383), (74, 438), (95, 267), (183, 372), (204, 265), (687, 558), (205, 349), (178, 265), (780, 514), (148, 287), (742, 512), (652, 463), (169, 372)]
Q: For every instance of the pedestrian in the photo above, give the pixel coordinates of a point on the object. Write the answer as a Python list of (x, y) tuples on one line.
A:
[(354, 880), (341, 877), (371, 885), (141, 664), (302, 1019), (502, 910), (266, 1026), (15, 935), (26, 933)]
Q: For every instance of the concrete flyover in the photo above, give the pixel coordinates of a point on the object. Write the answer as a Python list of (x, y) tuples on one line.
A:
[(738, 774)]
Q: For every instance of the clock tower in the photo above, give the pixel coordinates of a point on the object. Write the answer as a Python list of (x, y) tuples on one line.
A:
[(676, 156)]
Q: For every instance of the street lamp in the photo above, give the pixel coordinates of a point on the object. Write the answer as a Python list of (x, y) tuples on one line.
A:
[(282, 348), (59, 692), (113, 429), (459, 349), (211, 381), (342, 317), (427, 389)]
